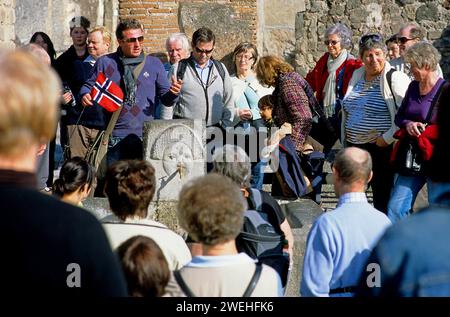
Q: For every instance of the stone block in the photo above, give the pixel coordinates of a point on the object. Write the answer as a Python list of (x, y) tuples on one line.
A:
[(176, 149), (282, 12), (428, 11), (301, 215), (279, 42), (229, 27)]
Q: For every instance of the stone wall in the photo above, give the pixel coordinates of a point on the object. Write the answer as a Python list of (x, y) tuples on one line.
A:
[(7, 21), (362, 16), (53, 16)]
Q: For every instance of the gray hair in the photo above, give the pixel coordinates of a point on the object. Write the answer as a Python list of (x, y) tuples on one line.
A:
[(179, 37), (343, 32), (232, 161), (371, 41), (423, 54)]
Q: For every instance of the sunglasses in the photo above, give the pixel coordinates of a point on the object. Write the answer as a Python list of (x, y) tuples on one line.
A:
[(333, 42), (370, 37), (139, 39), (403, 40), (203, 51)]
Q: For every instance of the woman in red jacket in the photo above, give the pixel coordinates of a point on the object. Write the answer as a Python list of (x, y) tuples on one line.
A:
[(332, 73)]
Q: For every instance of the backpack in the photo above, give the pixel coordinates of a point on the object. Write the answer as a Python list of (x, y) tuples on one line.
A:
[(182, 64), (259, 239)]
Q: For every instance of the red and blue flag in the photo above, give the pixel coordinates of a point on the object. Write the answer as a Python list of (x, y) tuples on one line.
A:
[(107, 93)]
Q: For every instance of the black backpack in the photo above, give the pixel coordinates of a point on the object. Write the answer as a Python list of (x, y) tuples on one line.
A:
[(261, 241)]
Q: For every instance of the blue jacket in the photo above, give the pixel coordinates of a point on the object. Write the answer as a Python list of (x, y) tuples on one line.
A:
[(290, 168), (94, 117), (152, 82), (414, 254)]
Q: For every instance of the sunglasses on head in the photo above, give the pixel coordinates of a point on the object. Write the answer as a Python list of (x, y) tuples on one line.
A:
[(333, 42), (403, 39), (203, 51), (370, 37), (139, 39)]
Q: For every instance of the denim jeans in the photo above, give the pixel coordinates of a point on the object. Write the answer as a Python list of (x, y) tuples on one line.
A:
[(257, 180), (404, 195)]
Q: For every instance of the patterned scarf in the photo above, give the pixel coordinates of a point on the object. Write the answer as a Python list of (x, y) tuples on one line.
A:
[(129, 64)]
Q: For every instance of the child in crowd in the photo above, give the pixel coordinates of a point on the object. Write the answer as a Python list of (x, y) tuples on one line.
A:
[(75, 181), (145, 267)]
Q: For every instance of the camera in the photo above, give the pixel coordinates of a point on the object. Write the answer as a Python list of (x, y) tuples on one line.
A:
[(66, 89)]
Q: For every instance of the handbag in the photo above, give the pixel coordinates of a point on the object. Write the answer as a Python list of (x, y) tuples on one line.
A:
[(406, 157)]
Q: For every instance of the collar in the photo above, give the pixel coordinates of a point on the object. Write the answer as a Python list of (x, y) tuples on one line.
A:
[(20, 179), (219, 260), (210, 62), (90, 59), (352, 197)]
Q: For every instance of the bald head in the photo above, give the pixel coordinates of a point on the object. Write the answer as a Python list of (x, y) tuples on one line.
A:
[(353, 165)]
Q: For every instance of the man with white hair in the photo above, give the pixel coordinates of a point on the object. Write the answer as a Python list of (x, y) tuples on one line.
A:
[(340, 241)]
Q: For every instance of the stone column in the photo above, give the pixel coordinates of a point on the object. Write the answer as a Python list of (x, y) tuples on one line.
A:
[(7, 21)]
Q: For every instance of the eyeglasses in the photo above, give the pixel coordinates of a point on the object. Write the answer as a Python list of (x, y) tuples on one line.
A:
[(244, 57), (139, 39), (203, 51), (370, 37), (403, 40), (333, 42)]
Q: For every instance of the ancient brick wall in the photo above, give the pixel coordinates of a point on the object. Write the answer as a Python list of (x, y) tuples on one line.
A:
[(232, 21)]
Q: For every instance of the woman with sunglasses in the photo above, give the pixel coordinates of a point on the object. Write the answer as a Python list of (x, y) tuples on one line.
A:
[(247, 91), (330, 77), (412, 116), (369, 109)]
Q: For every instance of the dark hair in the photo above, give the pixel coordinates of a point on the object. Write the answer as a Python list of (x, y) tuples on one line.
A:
[(75, 173), (127, 24), (203, 35), (393, 38), (145, 267), (80, 21), (50, 48), (266, 101), (130, 186)]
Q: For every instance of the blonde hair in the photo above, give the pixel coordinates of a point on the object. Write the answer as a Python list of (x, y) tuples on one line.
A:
[(105, 33), (423, 54), (269, 68), (29, 96)]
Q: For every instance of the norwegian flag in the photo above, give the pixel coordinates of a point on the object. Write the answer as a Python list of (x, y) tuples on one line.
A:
[(107, 93)]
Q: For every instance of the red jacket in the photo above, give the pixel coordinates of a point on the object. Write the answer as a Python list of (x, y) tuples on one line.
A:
[(318, 76), (426, 140)]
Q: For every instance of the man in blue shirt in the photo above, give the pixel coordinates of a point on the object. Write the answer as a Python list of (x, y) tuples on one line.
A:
[(340, 241)]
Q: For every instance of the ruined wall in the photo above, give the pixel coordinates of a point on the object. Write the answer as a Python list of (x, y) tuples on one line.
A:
[(362, 16), (7, 20), (231, 21), (53, 16)]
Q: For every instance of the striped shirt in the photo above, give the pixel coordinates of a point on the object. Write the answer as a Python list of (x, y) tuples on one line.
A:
[(368, 116)]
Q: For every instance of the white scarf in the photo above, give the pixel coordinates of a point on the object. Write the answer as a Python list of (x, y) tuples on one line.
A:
[(329, 90)]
